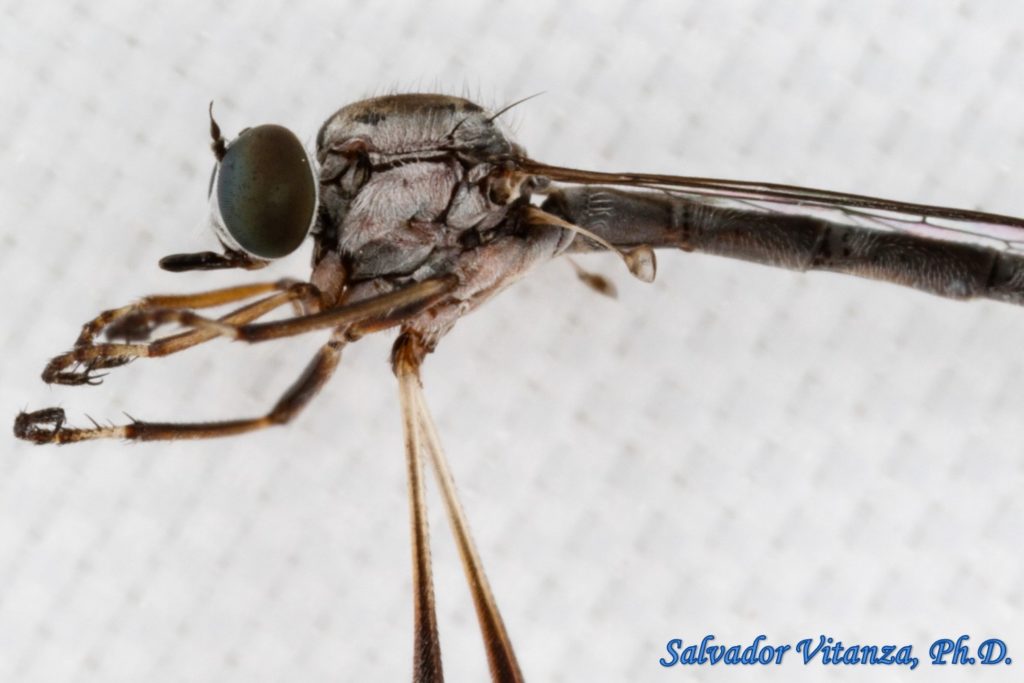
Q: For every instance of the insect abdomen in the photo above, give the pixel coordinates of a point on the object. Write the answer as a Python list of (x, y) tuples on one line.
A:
[(951, 269)]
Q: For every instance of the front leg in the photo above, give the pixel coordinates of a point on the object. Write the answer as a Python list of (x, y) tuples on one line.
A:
[(137, 321), (49, 425), (352, 321), (127, 322), (78, 366)]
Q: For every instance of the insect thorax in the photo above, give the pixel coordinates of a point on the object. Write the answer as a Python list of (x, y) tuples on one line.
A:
[(407, 183)]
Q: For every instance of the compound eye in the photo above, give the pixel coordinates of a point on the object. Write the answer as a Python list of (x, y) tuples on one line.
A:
[(266, 191)]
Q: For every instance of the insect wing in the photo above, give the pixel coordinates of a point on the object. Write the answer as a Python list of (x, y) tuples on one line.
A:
[(1004, 233)]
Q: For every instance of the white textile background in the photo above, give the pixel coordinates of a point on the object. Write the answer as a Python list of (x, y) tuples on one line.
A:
[(733, 450)]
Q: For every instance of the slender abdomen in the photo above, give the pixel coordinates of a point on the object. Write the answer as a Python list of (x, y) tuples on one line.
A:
[(632, 217)]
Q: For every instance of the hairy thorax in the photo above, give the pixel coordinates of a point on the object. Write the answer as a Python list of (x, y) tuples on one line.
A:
[(407, 181), (419, 186)]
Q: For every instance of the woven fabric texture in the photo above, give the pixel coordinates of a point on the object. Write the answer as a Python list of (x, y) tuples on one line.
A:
[(732, 450)]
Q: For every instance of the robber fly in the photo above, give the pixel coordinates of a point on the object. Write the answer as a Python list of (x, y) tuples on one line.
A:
[(421, 209)]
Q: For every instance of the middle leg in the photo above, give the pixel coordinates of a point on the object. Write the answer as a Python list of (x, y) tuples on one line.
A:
[(78, 365), (48, 425)]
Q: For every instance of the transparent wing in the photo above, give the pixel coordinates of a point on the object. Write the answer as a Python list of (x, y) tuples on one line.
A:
[(995, 231)]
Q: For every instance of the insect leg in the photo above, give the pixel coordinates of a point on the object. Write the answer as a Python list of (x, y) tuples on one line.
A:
[(597, 282), (501, 656), (123, 321), (48, 425), (383, 310), (90, 357), (426, 641), (376, 312), (380, 311)]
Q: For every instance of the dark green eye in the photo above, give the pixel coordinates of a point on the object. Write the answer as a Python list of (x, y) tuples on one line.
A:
[(266, 192)]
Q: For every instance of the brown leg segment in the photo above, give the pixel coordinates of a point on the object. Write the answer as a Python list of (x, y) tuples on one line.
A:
[(426, 641), (108, 320), (377, 312), (384, 309), (88, 357), (501, 656), (48, 425), (407, 356)]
